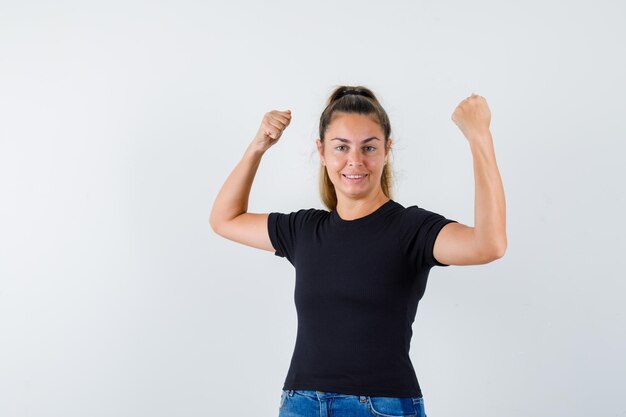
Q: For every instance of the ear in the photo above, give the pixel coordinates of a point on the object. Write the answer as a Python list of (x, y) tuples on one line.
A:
[(320, 151), (388, 149)]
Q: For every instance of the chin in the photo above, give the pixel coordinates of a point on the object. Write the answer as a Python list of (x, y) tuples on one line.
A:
[(354, 193)]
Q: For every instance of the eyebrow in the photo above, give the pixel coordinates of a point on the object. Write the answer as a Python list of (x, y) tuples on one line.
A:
[(363, 141)]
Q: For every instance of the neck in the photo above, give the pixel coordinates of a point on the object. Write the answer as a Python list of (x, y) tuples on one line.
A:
[(350, 209)]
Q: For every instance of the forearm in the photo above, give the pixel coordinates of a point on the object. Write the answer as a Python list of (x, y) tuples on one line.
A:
[(489, 200), (232, 199)]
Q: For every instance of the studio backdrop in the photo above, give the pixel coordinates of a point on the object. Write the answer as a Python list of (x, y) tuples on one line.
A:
[(120, 121)]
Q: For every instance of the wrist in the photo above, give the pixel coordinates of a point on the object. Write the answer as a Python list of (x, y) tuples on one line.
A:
[(253, 153), (479, 137)]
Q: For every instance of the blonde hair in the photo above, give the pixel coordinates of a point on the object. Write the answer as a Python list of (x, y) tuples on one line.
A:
[(360, 100)]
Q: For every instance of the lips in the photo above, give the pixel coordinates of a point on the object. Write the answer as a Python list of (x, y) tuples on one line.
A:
[(354, 178)]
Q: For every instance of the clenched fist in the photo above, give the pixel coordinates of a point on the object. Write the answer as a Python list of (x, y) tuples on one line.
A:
[(472, 116), (271, 129)]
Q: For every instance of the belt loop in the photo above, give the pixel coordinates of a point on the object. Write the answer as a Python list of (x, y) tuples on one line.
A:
[(290, 392)]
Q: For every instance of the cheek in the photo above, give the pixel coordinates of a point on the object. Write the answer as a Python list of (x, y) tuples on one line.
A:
[(377, 162), (380, 165), (335, 163)]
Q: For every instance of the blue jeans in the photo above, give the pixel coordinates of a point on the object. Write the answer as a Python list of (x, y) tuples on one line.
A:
[(308, 403)]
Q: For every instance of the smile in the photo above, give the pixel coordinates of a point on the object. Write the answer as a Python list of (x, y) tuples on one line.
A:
[(354, 178)]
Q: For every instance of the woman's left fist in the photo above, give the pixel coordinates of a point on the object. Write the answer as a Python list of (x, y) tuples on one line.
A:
[(472, 116)]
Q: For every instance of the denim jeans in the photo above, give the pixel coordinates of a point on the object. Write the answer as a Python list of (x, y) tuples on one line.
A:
[(308, 403)]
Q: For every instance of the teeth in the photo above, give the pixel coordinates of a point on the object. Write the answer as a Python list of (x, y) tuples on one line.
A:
[(354, 176)]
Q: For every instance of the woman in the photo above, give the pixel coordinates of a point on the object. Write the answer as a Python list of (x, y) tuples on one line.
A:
[(362, 266)]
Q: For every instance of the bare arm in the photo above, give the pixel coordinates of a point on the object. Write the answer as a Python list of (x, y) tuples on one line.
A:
[(458, 244), (229, 216)]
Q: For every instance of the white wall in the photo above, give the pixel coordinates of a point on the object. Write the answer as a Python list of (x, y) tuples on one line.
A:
[(119, 122)]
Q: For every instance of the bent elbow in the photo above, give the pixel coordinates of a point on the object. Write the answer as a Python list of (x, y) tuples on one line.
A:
[(502, 247), (498, 252), (215, 226), (495, 252)]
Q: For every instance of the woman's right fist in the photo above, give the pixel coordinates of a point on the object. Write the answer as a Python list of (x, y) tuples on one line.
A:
[(272, 127)]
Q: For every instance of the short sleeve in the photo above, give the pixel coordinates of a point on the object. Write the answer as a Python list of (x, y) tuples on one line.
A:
[(284, 229), (422, 227)]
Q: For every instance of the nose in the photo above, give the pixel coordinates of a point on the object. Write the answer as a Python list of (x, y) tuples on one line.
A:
[(354, 158)]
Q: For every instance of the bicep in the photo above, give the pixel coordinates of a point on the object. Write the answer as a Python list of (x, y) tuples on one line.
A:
[(249, 229), (456, 245)]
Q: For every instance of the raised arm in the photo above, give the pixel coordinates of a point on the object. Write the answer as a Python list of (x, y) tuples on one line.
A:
[(456, 243), (229, 216)]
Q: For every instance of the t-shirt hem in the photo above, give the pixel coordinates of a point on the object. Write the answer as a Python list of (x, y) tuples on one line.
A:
[(354, 390), (271, 231), (438, 228)]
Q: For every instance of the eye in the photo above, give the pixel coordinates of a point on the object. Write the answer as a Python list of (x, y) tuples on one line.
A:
[(370, 148), (340, 146)]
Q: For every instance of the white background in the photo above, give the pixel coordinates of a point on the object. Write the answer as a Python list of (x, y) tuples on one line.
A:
[(120, 120)]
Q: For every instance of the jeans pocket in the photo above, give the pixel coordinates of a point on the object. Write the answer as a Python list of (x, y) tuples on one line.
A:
[(392, 406)]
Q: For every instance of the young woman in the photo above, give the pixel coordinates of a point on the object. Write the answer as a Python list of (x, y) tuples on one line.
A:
[(362, 265)]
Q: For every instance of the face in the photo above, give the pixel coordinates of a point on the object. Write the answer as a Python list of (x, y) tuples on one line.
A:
[(354, 154)]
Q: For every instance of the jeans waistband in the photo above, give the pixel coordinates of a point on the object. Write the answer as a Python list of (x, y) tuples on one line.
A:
[(322, 394)]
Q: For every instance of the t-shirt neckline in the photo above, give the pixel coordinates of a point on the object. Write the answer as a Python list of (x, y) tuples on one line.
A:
[(368, 217)]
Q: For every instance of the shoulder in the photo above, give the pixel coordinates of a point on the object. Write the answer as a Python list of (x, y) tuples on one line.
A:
[(297, 217), (419, 219), (413, 212), (303, 213)]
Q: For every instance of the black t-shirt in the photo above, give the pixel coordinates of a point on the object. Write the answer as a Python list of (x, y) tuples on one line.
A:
[(358, 284)]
